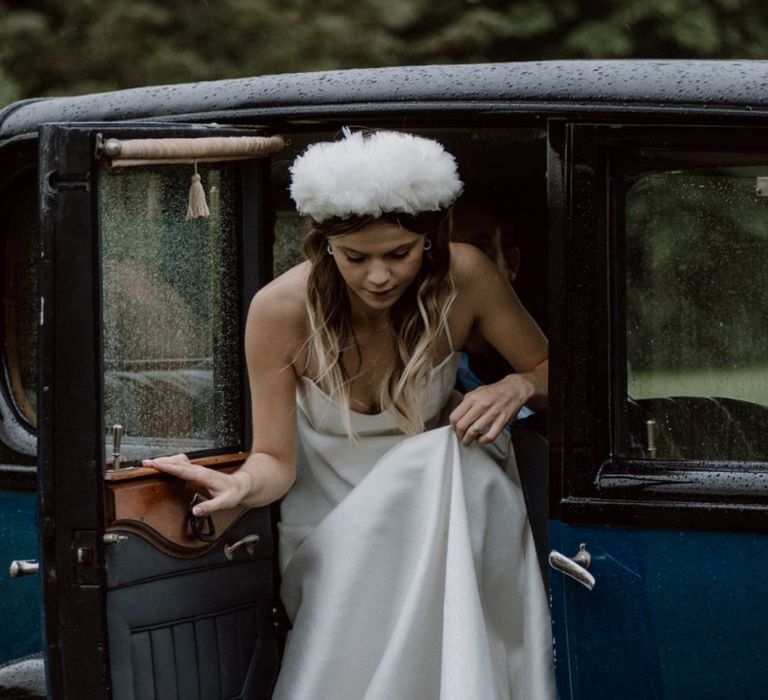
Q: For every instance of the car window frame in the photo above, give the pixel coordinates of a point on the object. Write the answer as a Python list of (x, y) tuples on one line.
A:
[(18, 158), (598, 485)]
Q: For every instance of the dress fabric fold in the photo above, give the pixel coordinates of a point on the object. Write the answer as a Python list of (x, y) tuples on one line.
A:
[(408, 566)]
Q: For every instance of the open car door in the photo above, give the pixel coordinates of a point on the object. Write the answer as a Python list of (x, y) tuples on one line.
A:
[(142, 315)]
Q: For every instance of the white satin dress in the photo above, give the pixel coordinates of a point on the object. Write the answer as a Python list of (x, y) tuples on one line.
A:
[(408, 567)]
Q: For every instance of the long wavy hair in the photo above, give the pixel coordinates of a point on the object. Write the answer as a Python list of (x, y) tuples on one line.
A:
[(418, 317)]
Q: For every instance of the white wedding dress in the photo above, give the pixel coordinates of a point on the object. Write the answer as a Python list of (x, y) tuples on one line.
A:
[(408, 567)]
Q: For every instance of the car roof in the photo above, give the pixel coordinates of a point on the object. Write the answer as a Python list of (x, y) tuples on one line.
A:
[(625, 85)]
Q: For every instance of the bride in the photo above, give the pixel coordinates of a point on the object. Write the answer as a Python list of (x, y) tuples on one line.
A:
[(408, 568)]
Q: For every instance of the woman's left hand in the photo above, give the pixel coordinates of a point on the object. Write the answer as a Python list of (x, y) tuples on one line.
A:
[(485, 411)]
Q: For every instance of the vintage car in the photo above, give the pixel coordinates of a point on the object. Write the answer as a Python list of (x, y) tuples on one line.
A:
[(637, 195)]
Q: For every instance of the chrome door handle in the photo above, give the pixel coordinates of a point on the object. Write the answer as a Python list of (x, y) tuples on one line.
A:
[(575, 567), (249, 542), (23, 567)]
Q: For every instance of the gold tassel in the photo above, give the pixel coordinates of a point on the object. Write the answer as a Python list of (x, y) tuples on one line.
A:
[(197, 207)]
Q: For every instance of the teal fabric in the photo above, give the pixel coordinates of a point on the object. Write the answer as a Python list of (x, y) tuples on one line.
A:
[(468, 381)]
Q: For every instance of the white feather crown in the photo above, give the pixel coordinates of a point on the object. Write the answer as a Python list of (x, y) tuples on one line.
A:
[(370, 175)]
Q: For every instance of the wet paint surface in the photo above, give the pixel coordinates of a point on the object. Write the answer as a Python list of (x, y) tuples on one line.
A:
[(656, 83), (674, 614)]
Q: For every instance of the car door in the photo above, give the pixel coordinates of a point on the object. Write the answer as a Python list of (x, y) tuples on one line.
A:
[(142, 314), (659, 447)]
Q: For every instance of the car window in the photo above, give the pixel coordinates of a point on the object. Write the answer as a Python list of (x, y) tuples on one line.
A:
[(20, 312), (286, 252), (696, 303), (171, 312)]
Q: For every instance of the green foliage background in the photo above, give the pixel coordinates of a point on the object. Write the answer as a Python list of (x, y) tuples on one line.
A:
[(51, 47)]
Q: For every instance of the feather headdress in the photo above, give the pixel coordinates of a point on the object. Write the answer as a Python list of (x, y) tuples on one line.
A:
[(373, 174)]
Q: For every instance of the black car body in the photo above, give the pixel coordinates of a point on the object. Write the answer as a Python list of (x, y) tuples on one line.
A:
[(635, 192)]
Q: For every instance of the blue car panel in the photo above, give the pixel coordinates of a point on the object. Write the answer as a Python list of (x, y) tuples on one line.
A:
[(21, 602), (669, 612)]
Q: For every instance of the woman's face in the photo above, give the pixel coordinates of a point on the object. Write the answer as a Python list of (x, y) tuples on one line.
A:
[(378, 262)]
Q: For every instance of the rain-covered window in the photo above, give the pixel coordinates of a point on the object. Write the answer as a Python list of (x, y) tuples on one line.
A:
[(172, 365), (286, 252), (20, 307), (696, 294)]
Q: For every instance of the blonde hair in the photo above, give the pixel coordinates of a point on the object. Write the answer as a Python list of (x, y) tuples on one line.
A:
[(418, 318)]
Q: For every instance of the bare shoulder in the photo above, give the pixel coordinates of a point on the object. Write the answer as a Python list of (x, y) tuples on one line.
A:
[(284, 296), (278, 310), (470, 267)]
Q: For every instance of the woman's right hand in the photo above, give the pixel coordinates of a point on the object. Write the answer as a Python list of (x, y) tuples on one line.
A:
[(226, 490), (274, 334)]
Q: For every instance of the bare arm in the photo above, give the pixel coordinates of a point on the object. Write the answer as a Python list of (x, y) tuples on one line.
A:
[(270, 346), (501, 319), (271, 339)]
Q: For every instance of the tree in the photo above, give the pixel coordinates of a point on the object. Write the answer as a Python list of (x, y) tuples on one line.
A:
[(50, 47)]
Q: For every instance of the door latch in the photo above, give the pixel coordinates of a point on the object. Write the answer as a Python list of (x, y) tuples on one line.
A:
[(84, 554), (575, 567), (249, 542), (23, 567)]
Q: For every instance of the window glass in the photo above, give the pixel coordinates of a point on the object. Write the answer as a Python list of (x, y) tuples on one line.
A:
[(172, 360), (21, 314), (696, 252), (289, 228)]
